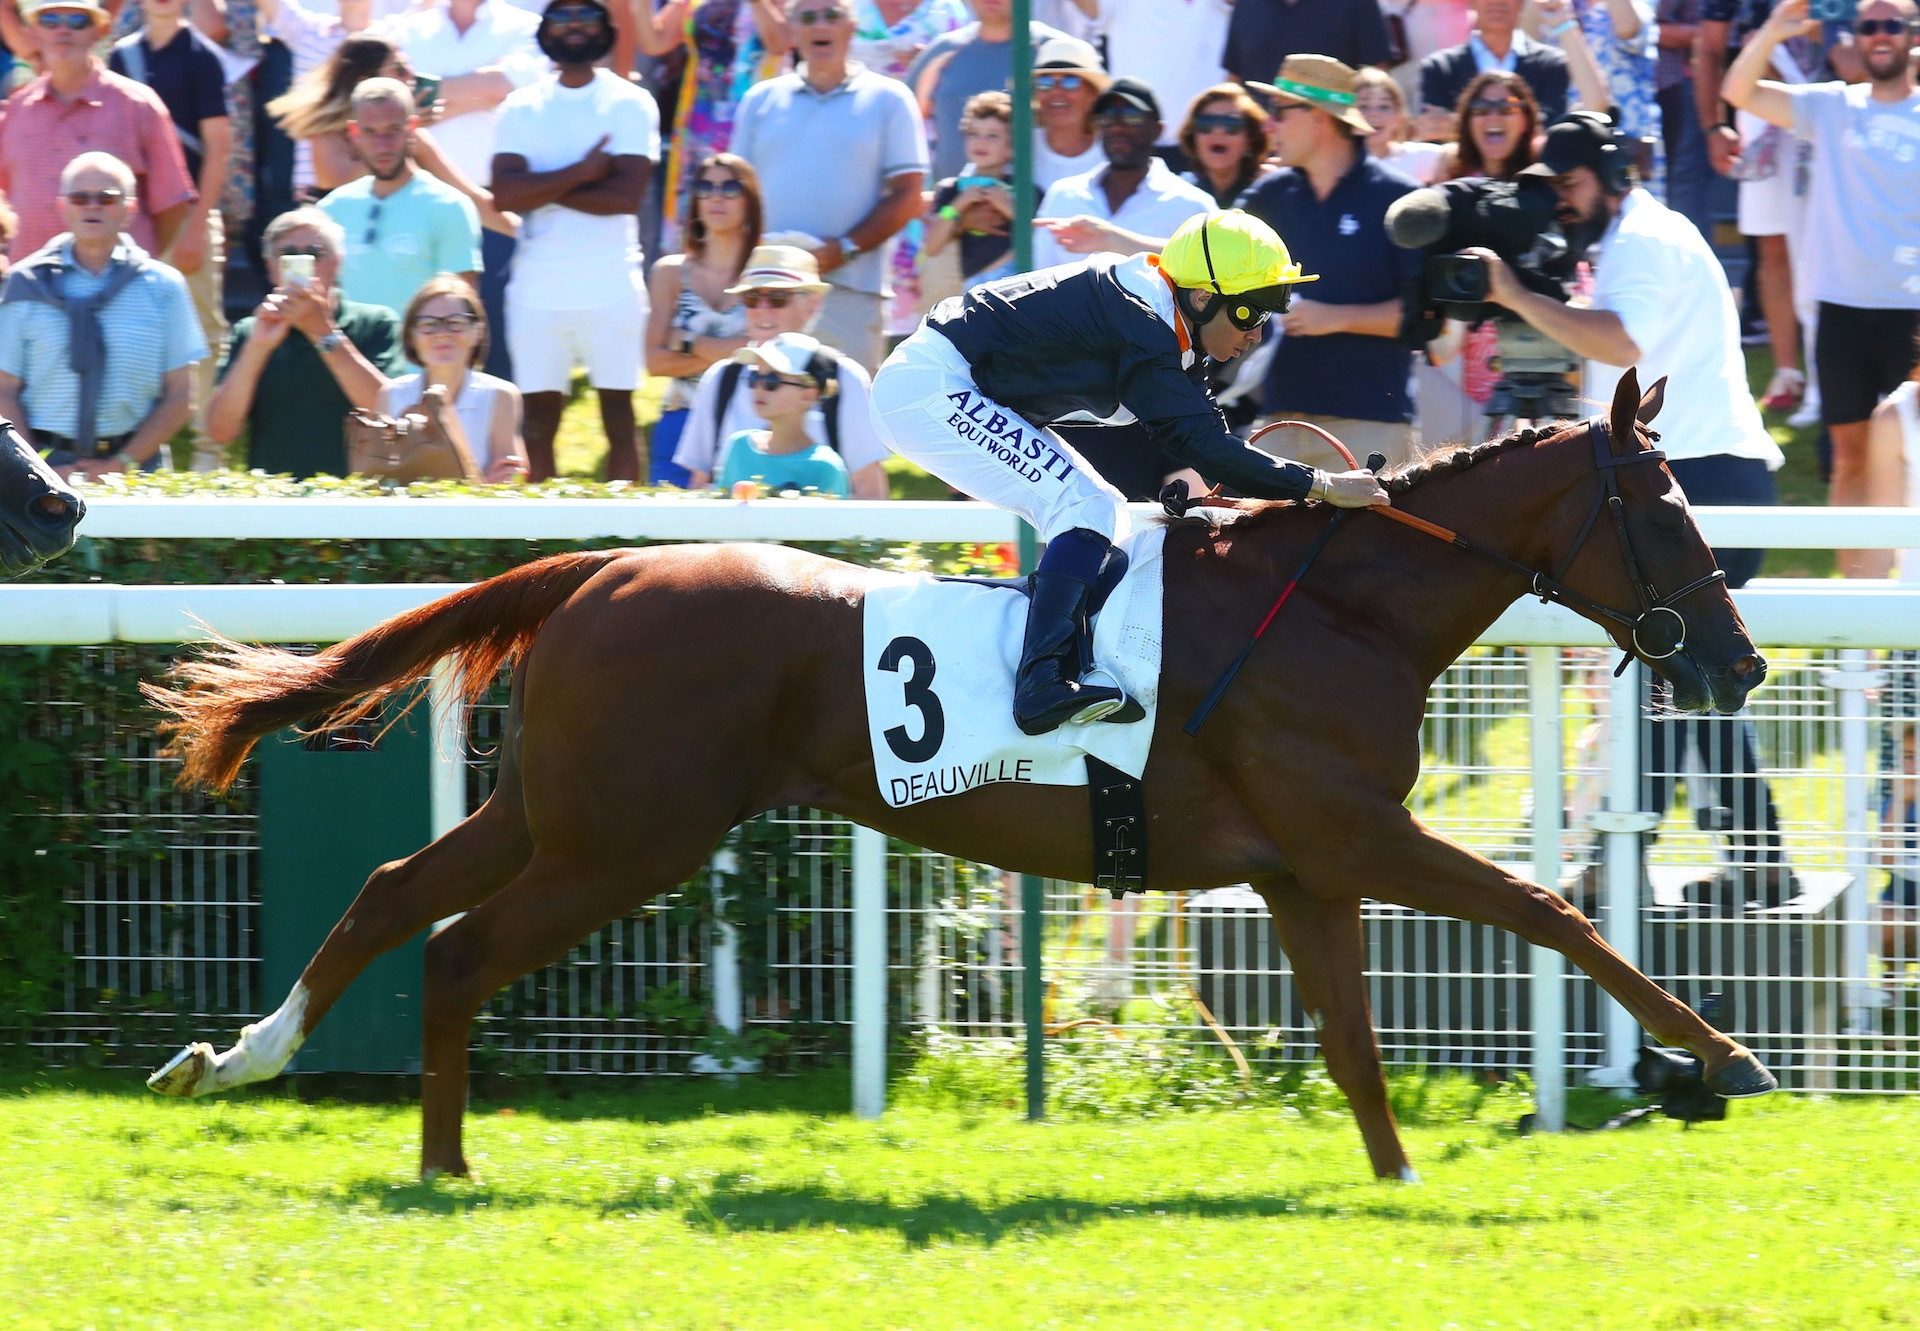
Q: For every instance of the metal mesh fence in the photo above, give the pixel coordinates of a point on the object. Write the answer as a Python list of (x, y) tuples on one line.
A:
[(162, 926)]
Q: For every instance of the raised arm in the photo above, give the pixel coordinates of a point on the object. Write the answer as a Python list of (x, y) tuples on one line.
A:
[(1745, 87)]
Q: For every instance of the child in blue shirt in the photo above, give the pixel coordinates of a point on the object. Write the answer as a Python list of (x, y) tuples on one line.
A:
[(788, 374)]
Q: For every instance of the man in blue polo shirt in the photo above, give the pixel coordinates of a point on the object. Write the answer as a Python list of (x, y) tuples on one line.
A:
[(1340, 363)]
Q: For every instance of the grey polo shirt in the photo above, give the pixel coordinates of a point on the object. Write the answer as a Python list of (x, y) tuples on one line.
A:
[(823, 158)]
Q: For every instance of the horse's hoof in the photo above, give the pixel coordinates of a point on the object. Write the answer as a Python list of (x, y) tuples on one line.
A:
[(1742, 1076), (183, 1072)]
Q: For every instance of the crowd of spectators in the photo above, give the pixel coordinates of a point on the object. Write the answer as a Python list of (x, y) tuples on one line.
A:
[(491, 197)]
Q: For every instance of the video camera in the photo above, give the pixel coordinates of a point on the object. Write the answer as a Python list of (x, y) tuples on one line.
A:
[(1539, 378)]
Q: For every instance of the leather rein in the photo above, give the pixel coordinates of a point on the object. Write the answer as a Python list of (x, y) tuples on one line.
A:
[(1548, 586)]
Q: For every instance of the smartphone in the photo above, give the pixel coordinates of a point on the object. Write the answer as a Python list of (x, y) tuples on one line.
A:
[(976, 182), (1833, 11), (296, 270), (426, 91)]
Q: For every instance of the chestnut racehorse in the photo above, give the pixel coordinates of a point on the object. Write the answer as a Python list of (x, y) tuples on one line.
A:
[(662, 696)]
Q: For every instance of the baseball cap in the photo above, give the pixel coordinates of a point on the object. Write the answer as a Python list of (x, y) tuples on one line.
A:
[(1128, 92), (793, 354)]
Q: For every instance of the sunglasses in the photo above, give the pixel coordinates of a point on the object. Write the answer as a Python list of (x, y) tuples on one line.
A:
[(1220, 123), (445, 323), (1879, 27), (769, 380), (1486, 109), (302, 251), (726, 189), (1064, 82), (1130, 116), (73, 20), (94, 198), (573, 16), (806, 18), (767, 300), (373, 225)]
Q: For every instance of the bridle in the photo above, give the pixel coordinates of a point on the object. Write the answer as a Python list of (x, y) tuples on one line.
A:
[(1640, 627)]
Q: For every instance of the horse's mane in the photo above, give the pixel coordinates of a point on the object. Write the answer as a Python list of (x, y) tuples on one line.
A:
[(1441, 459)]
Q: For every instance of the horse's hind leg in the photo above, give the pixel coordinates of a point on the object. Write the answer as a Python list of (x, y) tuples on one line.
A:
[(1323, 940), (458, 871), (1421, 869), (556, 901)]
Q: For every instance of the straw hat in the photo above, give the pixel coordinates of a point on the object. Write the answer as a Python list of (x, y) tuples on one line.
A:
[(32, 8), (779, 268), (1070, 55), (1321, 82)]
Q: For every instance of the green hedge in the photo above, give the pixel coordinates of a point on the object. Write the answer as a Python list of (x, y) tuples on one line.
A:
[(71, 797)]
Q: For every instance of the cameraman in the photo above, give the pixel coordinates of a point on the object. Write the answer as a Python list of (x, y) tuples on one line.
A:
[(1660, 303)]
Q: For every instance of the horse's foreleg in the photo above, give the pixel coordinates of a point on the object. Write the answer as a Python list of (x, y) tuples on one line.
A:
[(1423, 870), (399, 899), (1322, 938)]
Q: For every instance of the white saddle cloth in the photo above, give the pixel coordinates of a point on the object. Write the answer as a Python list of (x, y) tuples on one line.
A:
[(939, 663)]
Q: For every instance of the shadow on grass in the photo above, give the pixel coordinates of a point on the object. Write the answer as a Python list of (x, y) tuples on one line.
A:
[(729, 1205)]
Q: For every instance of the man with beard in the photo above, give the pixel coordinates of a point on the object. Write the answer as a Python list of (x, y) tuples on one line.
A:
[(1862, 262), (1662, 306), (403, 226), (572, 156)]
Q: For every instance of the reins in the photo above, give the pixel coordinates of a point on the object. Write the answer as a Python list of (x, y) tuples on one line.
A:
[(1547, 586)]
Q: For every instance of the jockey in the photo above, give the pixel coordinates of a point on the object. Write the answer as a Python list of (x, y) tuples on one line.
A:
[(969, 396)]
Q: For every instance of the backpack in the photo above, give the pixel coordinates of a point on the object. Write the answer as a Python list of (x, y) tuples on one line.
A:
[(730, 379)]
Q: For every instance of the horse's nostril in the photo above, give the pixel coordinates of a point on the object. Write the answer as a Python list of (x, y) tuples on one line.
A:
[(1750, 670), (55, 511)]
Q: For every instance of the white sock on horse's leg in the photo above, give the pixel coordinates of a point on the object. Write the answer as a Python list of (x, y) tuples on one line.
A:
[(260, 1054)]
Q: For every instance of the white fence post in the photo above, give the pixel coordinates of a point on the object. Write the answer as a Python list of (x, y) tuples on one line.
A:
[(869, 973), (1851, 681), (723, 971), (1622, 822), (1547, 989), (447, 798)]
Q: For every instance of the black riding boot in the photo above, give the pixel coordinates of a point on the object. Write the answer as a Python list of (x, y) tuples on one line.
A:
[(1047, 691)]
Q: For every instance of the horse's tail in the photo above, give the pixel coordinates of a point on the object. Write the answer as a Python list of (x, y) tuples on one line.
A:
[(221, 702)]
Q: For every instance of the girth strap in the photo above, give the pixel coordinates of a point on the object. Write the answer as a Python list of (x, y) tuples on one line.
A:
[(1118, 804)]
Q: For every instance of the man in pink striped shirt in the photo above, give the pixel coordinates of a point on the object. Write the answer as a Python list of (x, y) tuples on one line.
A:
[(78, 106)]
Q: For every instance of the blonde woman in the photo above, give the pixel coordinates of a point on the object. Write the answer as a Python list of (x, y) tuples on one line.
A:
[(445, 332)]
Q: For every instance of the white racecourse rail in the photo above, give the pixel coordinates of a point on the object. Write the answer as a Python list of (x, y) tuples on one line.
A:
[(1822, 616)]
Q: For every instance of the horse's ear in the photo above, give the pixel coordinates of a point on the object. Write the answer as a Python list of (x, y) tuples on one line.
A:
[(1655, 399), (1626, 400)]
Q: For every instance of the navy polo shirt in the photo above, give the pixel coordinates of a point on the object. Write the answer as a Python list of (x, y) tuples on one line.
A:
[(188, 78), (1263, 33), (1343, 238)]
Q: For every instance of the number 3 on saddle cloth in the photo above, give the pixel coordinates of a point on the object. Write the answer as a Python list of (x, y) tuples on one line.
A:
[(939, 659)]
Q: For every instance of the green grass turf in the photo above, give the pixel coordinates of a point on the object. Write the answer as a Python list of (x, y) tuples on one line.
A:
[(700, 1205)]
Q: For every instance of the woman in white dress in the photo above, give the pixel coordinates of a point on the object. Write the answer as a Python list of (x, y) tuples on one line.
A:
[(444, 330)]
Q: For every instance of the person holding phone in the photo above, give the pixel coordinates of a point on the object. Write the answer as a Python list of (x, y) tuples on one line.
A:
[(977, 205), (305, 357)]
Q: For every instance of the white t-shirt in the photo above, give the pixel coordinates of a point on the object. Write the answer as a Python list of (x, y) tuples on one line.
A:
[(566, 257), (1172, 46), (1050, 167), (1655, 270), (501, 35), (1157, 207), (1863, 203), (479, 398), (699, 447)]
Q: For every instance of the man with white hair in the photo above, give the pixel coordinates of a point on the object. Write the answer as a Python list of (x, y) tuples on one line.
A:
[(403, 226), (97, 338), (305, 357), (842, 156), (782, 291)]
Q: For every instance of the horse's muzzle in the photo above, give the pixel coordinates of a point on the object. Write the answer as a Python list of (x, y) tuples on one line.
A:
[(1731, 686), (40, 529)]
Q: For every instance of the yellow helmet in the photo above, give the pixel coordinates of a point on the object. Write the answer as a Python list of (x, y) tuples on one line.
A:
[(1233, 254)]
